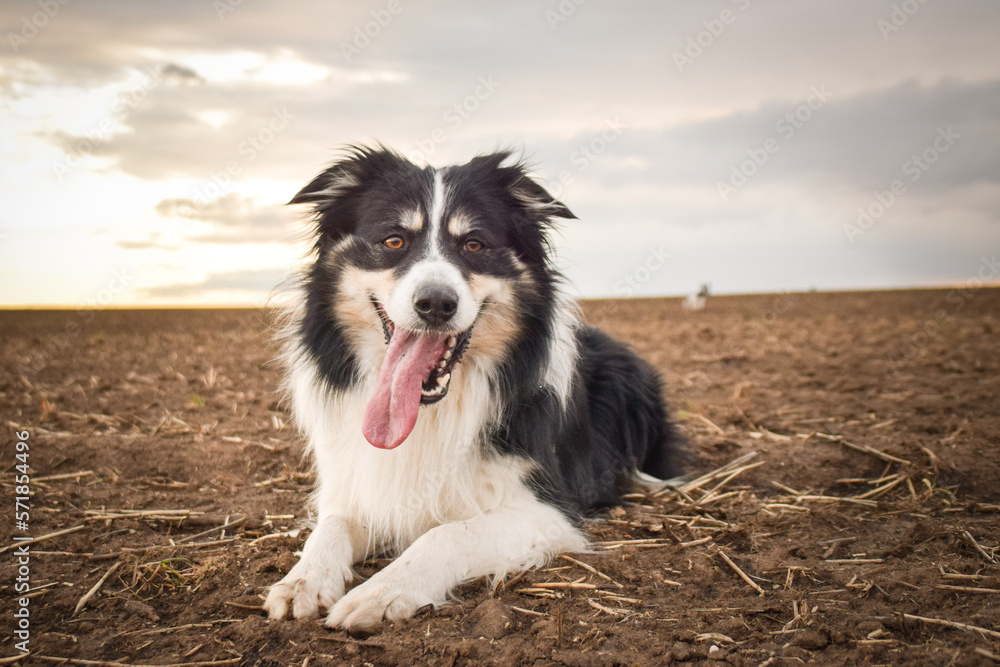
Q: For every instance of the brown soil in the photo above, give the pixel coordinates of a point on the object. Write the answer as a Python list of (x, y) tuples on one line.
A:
[(850, 556)]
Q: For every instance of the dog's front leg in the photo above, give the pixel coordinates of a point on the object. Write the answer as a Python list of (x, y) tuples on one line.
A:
[(495, 543), (321, 575)]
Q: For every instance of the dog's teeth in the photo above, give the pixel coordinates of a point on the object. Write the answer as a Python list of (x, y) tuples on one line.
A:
[(447, 356), (436, 391), (452, 340), (443, 380), (442, 364)]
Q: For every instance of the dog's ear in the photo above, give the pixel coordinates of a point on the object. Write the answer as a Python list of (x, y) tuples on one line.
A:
[(515, 178), (537, 199), (326, 187), (535, 206), (359, 165), (334, 181), (331, 192)]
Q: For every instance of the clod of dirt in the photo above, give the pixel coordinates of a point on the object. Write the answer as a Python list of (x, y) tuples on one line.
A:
[(731, 627), (794, 653), (681, 651), (812, 640), (491, 620), (285, 562), (870, 629), (543, 627), (141, 609), (473, 650)]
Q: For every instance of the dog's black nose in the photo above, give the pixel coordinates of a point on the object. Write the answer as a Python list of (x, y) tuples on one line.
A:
[(436, 304)]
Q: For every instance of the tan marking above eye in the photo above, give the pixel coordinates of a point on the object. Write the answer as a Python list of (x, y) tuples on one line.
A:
[(394, 242), (413, 221), (459, 225)]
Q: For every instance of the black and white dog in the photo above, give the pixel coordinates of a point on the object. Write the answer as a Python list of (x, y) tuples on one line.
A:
[(458, 412)]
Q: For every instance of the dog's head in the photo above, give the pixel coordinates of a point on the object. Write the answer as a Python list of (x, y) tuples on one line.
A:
[(429, 265)]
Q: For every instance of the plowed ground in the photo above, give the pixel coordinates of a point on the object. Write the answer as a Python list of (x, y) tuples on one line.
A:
[(861, 501)]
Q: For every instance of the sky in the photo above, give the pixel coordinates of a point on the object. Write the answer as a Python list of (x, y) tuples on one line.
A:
[(147, 149)]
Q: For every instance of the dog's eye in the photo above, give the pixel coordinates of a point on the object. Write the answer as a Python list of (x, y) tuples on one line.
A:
[(473, 245), (394, 242)]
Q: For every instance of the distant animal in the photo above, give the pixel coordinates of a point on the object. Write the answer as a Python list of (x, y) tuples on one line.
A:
[(696, 301), (457, 410)]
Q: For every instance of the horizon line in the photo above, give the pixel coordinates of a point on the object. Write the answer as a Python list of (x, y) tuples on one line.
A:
[(265, 306)]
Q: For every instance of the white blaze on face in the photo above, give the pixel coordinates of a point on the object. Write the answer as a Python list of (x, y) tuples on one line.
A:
[(417, 356), (436, 213), (423, 274), (432, 271)]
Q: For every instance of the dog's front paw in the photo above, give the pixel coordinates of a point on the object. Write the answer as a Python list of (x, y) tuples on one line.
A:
[(307, 588), (365, 607)]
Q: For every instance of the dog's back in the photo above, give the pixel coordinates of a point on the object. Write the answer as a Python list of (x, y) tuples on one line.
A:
[(614, 424)]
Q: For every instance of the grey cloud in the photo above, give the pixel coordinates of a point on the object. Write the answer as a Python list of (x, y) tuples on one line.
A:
[(554, 78), (265, 136), (181, 74), (861, 141), (235, 219), (866, 140), (251, 280)]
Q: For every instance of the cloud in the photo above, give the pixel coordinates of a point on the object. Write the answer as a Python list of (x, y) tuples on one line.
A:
[(181, 74), (845, 144), (235, 219), (248, 280), (151, 243), (406, 71)]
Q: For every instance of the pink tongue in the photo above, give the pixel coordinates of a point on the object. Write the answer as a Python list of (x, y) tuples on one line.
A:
[(392, 409)]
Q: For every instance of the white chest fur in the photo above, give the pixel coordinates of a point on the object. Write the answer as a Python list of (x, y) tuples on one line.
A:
[(441, 473)]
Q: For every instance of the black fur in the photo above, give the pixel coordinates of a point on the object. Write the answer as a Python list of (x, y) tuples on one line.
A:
[(616, 422)]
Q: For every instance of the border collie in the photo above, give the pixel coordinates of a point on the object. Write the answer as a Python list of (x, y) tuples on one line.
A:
[(458, 411)]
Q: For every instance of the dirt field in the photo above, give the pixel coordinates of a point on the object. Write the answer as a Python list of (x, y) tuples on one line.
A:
[(843, 508)]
